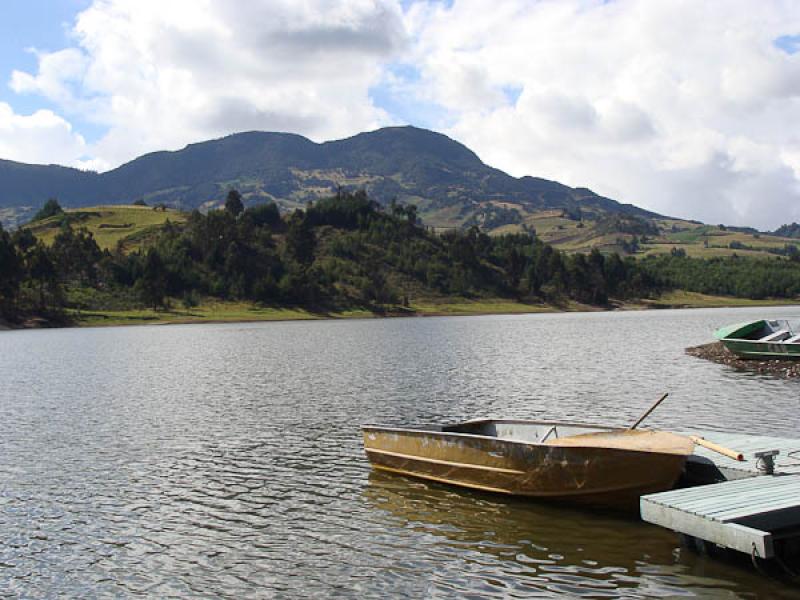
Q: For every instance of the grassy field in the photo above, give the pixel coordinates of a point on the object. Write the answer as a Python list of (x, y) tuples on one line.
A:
[(221, 312), (478, 307), (110, 225), (683, 299), (696, 239), (208, 312), (242, 312)]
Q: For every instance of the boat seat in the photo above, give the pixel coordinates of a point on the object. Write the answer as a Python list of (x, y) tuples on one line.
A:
[(793, 340), (778, 336)]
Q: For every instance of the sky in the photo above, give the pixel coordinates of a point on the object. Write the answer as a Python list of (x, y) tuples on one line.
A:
[(687, 108)]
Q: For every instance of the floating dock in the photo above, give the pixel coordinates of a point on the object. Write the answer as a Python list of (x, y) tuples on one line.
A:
[(752, 506)]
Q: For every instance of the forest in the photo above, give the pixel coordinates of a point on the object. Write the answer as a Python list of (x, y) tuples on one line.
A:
[(341, 252)]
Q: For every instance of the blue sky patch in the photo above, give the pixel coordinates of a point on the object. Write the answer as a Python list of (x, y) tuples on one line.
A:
[(396, 95), (24, 27), (512, 92), (788, 43)]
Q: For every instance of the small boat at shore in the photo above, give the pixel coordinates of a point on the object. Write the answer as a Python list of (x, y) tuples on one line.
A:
[(765, 339), (564, 462)]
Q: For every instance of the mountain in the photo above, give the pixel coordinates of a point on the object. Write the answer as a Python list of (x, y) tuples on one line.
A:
[(449, 183)]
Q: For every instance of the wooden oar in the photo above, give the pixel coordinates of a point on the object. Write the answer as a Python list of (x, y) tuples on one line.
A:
[(696, 439), (717, 448), (647, 413)]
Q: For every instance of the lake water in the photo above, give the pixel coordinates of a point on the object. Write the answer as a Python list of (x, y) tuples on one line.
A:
[(225, 461)]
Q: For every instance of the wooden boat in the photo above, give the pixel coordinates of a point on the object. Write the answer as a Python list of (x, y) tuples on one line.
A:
[(564, 462), (763, 339)]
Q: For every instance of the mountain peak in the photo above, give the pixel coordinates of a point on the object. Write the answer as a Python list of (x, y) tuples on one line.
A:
[(409, 142), (443, 177)]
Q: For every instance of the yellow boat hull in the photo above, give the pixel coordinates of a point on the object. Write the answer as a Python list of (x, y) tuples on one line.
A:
[(574, 471)]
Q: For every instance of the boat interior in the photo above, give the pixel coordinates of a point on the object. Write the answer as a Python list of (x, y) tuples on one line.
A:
[(536, 432), (775, 331)]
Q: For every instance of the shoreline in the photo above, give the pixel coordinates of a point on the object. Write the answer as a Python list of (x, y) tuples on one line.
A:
[(718, 353), (246, 312)]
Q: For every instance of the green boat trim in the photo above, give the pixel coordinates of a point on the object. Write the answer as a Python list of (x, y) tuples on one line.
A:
[(739, 331), (748, 349)]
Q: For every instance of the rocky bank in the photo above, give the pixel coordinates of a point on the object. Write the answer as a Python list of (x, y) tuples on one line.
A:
[(718, 353)]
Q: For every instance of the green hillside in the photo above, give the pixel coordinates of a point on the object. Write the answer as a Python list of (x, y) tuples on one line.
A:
[(348, 256), (646, 236), (132, 226), (135, 225), (343, 255)]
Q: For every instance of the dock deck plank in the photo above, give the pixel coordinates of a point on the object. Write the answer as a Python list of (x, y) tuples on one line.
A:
[(742, 512)]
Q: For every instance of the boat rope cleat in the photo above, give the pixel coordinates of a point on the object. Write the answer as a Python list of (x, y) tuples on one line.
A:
[(765, 461)]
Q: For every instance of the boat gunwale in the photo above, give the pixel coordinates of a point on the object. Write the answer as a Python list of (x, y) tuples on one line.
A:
[(491, 437), (779, 342), (364, 428), (490, 420)]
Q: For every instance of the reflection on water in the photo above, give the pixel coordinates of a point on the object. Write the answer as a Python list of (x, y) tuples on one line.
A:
[(521, 546), (226, 460), (507, 547)]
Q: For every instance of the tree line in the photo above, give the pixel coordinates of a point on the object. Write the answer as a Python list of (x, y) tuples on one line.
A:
[(739, 276), (341, 252)]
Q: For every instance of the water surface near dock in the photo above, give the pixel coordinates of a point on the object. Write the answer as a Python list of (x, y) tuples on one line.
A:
[(226, 460)]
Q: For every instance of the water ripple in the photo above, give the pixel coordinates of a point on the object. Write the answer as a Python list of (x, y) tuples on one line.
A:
[(225, 461)]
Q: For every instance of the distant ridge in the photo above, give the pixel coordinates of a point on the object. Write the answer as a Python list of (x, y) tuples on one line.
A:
[(449, 183)]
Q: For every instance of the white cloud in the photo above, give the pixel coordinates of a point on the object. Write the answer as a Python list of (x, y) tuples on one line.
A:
[(42, 137), (58, 71), (163, 74), (683, 107)]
